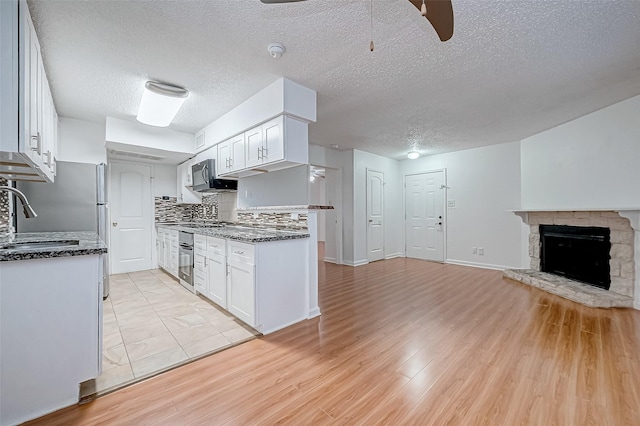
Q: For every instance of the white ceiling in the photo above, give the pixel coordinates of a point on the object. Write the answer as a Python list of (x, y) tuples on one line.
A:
[(512, 68)]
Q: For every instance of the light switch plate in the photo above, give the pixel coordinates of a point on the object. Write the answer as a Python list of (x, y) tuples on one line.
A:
[(451, 204)]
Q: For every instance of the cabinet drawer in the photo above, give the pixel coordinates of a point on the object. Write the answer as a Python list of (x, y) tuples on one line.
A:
[(240, 252), (200, 242), (216, 246), (199, 263), (200, 281)]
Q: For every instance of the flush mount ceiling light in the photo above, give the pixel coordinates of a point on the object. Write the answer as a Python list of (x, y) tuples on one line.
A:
[(160, 103), (412, 155)]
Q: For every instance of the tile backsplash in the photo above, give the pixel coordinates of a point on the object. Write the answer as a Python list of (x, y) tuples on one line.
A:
[(222, 206), (274, 220), (170, 211), (5, 209)]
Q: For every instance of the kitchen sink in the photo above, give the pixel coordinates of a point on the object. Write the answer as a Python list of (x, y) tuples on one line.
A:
[(32, 245)]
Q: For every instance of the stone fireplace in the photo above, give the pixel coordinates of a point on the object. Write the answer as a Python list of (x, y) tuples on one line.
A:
[(614, 231)]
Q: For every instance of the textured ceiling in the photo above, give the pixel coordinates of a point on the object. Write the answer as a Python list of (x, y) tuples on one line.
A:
[(512, 68)]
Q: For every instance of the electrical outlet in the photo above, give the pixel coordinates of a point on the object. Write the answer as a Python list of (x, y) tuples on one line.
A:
[(474, 250), (481, 251)]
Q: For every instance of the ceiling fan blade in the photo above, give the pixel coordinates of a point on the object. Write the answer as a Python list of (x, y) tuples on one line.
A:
[(279, 1), (440, 14)]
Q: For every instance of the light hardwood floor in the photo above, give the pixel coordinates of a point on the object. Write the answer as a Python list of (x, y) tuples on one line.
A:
[(405, 341)]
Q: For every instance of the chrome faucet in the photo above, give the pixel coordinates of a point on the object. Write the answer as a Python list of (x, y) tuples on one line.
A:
[(26, 208)]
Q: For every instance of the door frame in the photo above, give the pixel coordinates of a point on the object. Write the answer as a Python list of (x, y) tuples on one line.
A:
[(338, 212), (154, 258), (366, 174), (444, 213)]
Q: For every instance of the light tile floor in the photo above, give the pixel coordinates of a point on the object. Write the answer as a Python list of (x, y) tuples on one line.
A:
[(152, 323)]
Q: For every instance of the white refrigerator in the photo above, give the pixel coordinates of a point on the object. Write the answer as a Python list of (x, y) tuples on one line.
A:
[(75, 201)]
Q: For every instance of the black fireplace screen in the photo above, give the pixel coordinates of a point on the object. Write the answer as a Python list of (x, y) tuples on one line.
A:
[(576, 252)]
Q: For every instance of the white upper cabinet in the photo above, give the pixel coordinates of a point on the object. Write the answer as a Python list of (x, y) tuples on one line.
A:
[(231, 155), (223, 164), (268, 144), (184, 184), (277, 144), (249, 137), (28, 141)]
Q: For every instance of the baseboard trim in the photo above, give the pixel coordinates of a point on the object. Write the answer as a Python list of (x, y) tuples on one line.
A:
[(315, 312), (394, 255), (356, 263), (479, 265), (330, 260)]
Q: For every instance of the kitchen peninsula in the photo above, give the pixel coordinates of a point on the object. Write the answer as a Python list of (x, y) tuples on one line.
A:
[(258, 275)]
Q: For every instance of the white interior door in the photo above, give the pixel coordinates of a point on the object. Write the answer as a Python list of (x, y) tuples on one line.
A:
[(375, 209), (131, 218), (424, 216)]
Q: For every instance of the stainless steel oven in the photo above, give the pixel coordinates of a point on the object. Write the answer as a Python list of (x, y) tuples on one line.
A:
[(185, 260)]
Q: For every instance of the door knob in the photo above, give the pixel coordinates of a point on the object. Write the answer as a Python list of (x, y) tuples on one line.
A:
[(439, 223), (370, 220), (114, 223)]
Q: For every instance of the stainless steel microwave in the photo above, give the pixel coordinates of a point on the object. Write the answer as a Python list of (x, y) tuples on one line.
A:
[(204, 178)]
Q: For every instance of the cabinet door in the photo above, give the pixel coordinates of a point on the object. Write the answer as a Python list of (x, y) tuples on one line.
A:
[(160, 252), (238, 162), (35, 141), (188, 176), (217, 271), (223, 162), (179, 185), (273, 132), (188, 195), (241, 291), (255, 146), (200, 282)]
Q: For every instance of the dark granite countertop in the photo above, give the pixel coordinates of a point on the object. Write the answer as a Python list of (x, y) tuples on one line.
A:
[(87, 243), (245, 234), (285, 208)]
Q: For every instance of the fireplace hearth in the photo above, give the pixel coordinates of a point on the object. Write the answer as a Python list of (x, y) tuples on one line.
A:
[(579, 253), (589, 256)]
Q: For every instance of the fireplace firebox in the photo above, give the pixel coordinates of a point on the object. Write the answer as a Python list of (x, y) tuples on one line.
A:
[(576, 252)]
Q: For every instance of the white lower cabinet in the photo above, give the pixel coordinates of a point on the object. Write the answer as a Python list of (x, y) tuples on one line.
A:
[(160, 246), (217, 273), (200, 280), (173, 253), (263, 284), (167, 247), (241, 291)]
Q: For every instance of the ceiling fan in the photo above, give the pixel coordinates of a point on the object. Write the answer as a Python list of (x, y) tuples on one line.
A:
[(438, 12)]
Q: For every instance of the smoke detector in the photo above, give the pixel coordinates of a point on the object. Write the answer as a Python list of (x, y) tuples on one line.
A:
[(276, 50)]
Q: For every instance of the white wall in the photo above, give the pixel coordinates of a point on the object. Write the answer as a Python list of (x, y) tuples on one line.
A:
[(164, 180), (342, 164), (590, 162), (141, 135), (81, 141), (485, 183), (317, 198), (393, 212), (288, 187)]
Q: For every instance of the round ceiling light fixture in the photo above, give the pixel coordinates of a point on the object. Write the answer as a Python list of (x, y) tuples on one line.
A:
[(276, 50), (412, 155)]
